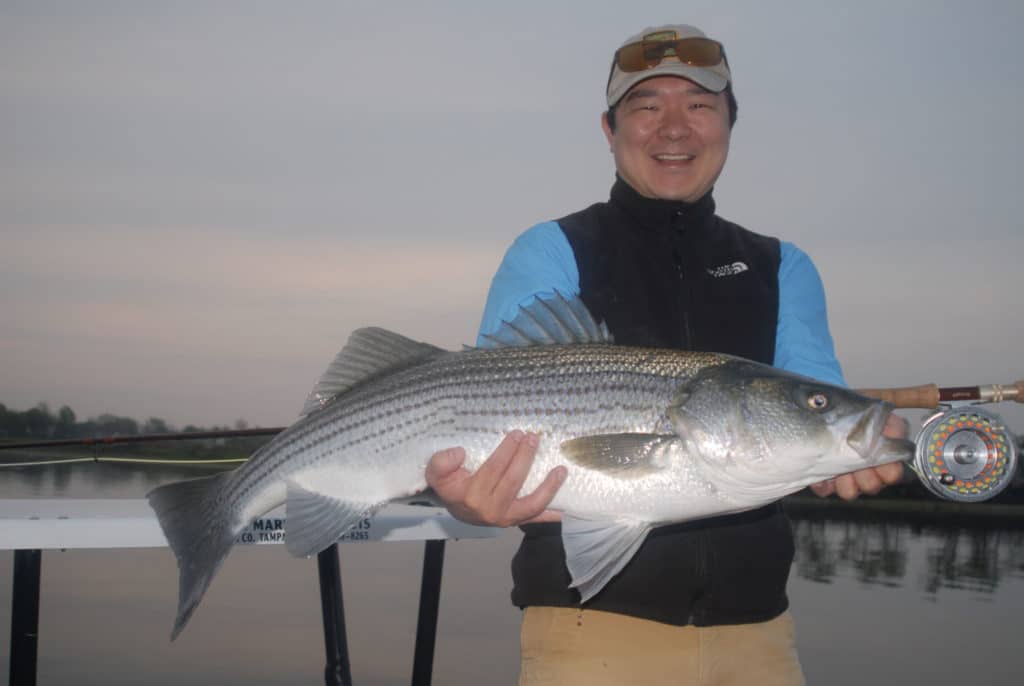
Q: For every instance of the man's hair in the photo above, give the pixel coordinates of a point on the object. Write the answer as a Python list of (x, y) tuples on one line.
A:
[(730, 101)]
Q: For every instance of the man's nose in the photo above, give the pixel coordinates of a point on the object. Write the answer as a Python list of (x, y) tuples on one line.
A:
[(675, 124)]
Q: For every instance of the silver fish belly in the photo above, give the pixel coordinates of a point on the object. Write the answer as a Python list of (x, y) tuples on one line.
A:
[(640, 430)]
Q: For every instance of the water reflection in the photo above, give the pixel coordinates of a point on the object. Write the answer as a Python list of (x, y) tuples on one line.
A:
[(874, 593), (94, 479), (974, 560), (963, 556), (871, 544)]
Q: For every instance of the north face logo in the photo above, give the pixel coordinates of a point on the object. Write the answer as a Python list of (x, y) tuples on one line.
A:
[(728, 269)]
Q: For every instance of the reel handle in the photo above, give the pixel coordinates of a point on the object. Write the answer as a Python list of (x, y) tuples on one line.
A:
[(930, 396)]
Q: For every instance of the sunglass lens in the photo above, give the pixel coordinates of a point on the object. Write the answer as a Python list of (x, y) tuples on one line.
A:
[(700, 52), (697, 52), (631, 57)]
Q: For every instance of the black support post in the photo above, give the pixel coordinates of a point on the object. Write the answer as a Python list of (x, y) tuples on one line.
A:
[(25, 617), (338, 671), (430, 602)]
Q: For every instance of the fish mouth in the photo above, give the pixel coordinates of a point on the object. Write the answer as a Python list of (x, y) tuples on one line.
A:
[(866, 436)]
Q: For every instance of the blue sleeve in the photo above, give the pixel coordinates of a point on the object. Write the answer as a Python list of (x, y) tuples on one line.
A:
[(803, 343), (538, 263), (541, 261)]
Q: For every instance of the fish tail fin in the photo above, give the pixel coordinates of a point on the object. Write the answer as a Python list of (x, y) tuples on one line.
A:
[(191, 514)]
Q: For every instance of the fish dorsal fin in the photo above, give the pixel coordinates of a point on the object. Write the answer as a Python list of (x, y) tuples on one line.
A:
[(368, 353), (624, 456), (546, 321)]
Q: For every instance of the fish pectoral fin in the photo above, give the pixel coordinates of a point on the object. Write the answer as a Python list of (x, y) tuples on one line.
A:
[(595, 551), (626, 456), (315, 521)]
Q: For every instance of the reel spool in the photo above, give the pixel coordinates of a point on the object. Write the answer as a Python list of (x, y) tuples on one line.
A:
[(965, 454)]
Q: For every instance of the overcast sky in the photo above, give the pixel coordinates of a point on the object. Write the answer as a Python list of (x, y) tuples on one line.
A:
[(199, 201)]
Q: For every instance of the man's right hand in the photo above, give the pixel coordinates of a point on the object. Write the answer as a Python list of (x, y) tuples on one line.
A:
[(489, 496)]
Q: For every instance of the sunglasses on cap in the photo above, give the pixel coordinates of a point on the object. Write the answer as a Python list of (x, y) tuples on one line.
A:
[(695, 51)]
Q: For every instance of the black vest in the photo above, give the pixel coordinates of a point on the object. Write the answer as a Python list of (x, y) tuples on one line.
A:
[(675, 275)]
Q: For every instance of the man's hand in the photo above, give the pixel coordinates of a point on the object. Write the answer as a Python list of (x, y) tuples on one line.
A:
[(872, 479), (489, 495)]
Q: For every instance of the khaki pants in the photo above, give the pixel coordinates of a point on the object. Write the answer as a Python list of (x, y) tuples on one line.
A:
[(590, 648)]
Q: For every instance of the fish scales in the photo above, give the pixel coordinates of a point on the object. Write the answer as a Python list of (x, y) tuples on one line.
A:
[(648, 436), (472, 399)]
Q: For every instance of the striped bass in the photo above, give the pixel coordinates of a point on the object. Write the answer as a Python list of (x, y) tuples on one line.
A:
[(649, 437)]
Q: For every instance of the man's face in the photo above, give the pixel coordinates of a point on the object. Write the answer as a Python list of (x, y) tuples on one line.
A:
[(671, 138)]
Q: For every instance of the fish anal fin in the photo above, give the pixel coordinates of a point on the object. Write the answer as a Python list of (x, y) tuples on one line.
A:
[(595, 551), (625, 456), (315, 521)]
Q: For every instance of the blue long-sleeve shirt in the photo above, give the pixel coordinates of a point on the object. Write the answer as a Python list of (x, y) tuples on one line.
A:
[(541, 261)]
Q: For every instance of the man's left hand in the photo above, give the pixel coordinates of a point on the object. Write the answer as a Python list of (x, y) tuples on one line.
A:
[(870, 480)]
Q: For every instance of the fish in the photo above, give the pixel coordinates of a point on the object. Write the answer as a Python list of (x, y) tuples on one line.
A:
[(650, 436)]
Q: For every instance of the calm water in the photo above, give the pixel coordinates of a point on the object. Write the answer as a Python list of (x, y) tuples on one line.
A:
[(876, 602)]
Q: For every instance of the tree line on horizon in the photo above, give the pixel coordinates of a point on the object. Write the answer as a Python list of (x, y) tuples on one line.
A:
[(40, 423)]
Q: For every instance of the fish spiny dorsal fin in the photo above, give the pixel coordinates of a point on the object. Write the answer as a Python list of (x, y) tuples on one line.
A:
[(368, 353), (549, 320)]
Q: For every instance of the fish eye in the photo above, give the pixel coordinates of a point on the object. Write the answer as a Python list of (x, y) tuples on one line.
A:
[(817, 401)]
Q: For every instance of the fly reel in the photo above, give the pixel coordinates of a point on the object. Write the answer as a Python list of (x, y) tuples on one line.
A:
[(965, 453)]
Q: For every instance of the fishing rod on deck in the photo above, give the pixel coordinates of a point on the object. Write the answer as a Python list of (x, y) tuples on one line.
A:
[(963, 452)]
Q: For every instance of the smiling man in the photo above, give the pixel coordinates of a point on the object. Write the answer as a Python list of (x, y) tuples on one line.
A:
[(703, 602), (672, 138)]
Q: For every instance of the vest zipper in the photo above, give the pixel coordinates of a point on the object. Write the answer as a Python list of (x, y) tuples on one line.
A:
[(677, 258)]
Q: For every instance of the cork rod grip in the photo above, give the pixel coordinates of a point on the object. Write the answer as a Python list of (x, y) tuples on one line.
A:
[(926, 396), (929, 396)]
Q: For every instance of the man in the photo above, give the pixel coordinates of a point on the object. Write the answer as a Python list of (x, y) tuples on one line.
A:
[(702, 602)]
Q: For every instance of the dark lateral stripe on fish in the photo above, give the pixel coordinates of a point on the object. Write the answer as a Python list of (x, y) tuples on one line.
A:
[(445, 385), (653, 437)]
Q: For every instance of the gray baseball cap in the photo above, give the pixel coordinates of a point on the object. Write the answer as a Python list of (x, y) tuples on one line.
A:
[(714, 77)]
